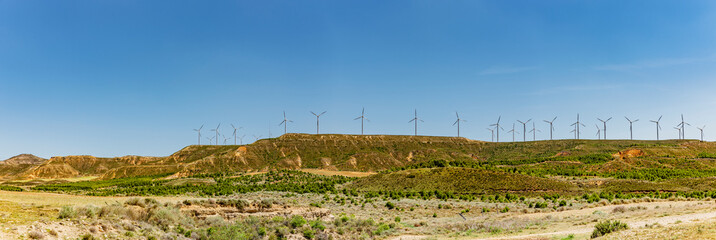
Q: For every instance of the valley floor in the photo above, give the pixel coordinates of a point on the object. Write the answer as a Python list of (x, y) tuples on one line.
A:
[(33, 215)]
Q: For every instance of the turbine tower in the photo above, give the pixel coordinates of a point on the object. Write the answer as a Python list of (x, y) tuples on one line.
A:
[(235, 129), (497, 128), (362, 117), (657, 126), (458, 123), (605, 126), (551, 127), (599, 136), (524, 129), (318, 116), (701, 129), (493, 134), (631, 134), (198, 131), (241, 139), (534, 132), (217, 133), (285, 123), (416, 119), (513, 132), (682, 125), (678, 129), (576, 126)]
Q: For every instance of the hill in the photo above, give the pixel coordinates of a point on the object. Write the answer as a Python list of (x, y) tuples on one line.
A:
[(611, 158), (19, 163)]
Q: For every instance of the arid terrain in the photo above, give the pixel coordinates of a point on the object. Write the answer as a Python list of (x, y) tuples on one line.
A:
[(370, 187)]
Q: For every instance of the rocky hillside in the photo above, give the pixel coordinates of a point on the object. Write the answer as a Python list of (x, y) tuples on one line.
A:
[(19, 163), (350, 153)]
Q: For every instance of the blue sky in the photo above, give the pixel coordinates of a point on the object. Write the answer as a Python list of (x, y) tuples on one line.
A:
[(113, 78)]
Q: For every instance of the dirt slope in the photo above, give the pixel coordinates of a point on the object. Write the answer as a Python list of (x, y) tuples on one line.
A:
[(350, 153)]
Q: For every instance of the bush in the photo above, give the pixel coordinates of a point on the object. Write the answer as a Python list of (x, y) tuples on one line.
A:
[(309, 233), (397, 219), (67, 212), (297, 221), (504, 210), (609, 226), (390, 205), (317, 224), (36, 235)]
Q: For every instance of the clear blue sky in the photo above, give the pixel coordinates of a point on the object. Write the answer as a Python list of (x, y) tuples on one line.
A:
[(113, 78)]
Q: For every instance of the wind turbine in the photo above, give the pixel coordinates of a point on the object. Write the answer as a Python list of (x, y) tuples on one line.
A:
[(702, 132), (257, 137), (524, 129), (235, 129), (285, 122), (225, 139), (513, 132), (198, 131), (458, 123), (574, 131), (493, 134), (683, 127), (497, 127), (317, 117), (217, 133), (605, 126), (416, 119), (241, 139), (210, 139), (631, 134), (576, 126), (657, 126), (362, 117), (599, 136), (551, 127), (679, 129), (534, 132)]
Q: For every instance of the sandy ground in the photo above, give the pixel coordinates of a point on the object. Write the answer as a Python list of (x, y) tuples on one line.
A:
[(56, 200), (571, 222)]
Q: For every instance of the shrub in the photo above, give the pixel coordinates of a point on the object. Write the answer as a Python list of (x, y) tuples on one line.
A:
[(67, 212), (609, 226), (504, 210), (309, 233), (381, 229), (36, 235), (397, 219), (317, 224), (297, 221), (390, 205)]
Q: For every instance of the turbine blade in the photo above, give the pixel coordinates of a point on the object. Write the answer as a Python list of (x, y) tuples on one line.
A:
[(357, 118), (659, 118), (322, 113), (555, 118)]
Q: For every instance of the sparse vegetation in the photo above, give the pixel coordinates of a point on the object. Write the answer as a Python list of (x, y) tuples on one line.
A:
[(609, 226)]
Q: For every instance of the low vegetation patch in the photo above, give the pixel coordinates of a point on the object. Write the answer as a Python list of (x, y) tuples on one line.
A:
[(609, 226)]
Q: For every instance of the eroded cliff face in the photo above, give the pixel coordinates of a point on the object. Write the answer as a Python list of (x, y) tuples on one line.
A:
[(290, 151)]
